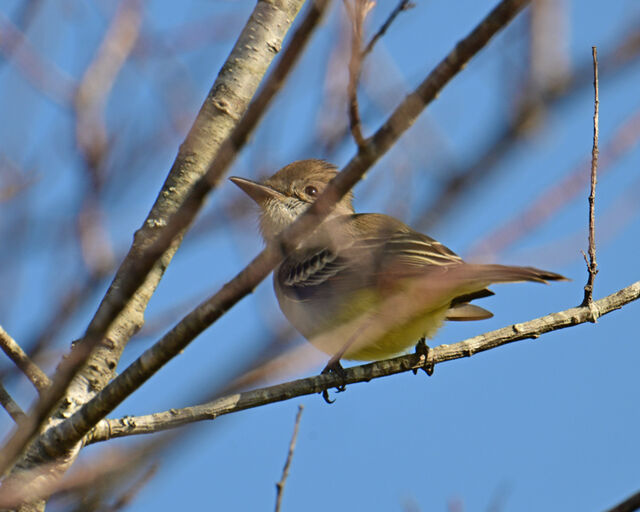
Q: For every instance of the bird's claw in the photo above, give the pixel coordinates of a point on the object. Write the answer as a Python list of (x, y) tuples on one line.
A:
[(335, 368), (422, 350)]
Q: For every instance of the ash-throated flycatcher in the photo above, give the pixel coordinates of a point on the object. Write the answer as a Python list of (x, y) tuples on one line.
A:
[(366, 286)]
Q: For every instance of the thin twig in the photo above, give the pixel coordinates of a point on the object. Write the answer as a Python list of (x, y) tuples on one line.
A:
[(139, 263), (22, 361), (592, 265), (176, 340), (461, 180), (93, 89), (285, 471), (626, 137), (403, 5), (128, 496), (136, 425), (10, 405)]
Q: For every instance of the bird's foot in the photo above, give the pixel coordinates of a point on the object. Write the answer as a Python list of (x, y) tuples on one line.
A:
[(334, 367), (422, 351)]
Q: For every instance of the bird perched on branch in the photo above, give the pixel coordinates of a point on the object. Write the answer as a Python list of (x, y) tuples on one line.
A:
[(366, 286)]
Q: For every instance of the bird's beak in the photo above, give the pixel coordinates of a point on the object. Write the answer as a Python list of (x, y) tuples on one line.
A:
[(257, 191)]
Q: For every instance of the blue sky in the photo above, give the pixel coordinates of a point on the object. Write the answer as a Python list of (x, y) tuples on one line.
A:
[(549, 424)]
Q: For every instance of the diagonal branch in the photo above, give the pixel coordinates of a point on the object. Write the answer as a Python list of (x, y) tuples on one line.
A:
[(533, 329), (460, 181), (73, 429), (93, 359)]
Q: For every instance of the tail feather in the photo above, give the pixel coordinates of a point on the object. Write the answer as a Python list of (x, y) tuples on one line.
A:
[(508, 274)]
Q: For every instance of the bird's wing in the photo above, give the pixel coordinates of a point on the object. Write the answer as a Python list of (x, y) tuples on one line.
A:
[(313, 274), (361, 252), (311, 268), (398, 249)]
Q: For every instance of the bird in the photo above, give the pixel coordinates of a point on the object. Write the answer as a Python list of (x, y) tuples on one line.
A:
[(365, 286)]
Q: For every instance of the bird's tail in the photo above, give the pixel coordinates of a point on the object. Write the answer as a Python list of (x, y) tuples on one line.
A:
[(508, 274)]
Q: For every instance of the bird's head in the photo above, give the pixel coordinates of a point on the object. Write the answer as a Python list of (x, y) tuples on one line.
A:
[(289, 192)]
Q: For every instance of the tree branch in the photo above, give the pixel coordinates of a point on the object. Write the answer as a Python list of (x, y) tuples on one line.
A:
[(72, 430), (121, 312), (460, 181), (136, 425), (37, 377)]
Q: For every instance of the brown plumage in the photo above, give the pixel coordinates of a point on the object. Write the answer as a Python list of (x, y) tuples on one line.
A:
[(367, 286)]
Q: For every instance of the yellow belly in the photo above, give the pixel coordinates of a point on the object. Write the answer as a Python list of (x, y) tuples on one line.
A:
[(365, 327)]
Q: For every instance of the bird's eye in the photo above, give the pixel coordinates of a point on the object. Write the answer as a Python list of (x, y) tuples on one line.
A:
[(311, 191)]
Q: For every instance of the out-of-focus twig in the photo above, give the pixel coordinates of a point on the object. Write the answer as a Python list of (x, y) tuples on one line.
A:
[(548, 43), (93, 89), (460, 180), (592, 265), (357, 11), (60, 316), (187, 37), (22, 361), (24, 16), (90, 130), (41, 73), (127, 497), (112, 467), (137, 269), (13, 179), (622, 141), (208, 312), (285, 471)]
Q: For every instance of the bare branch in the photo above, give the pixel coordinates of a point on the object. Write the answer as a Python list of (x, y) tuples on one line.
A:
[(22, 361), (285, 471), (242, 284), (136, 425), (132, 287), (592, 265)]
